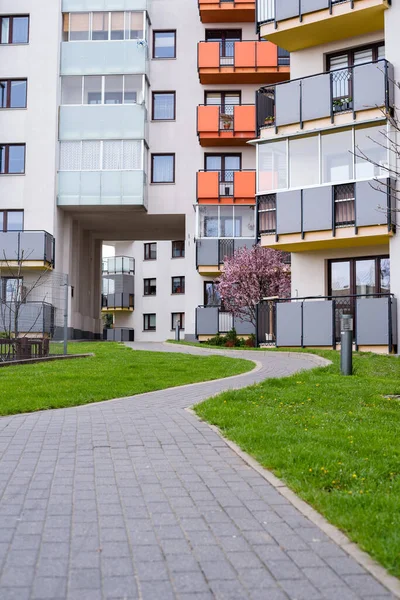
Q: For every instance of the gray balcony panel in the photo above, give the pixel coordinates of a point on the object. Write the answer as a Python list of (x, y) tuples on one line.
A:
[(119, 283), (316, 97), (85, 188), (372, 321), (288, 323), (92, 58), (244, 243), (94, 5), (368, 200), (120, 334), (9, 244), (287, 103), (33, 317), (118, 300), (243, 327), (207, 252), (287, 9), (369, 85), (33, 246), (390, 83), (123, 121), (308, 6), (207, 320), (317, 323), (317, 208), (288, 212)]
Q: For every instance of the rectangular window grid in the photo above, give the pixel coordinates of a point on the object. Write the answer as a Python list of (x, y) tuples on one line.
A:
[(149, 322), (178, 249), (104, 26), (150, 287), (178, 285), (13, 93), (150, 251), (101, 155)]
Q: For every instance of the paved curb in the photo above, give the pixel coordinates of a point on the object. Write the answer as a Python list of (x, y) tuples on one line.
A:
[(337, 536)]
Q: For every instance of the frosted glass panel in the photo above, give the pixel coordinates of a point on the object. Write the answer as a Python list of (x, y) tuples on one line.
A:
[(132, 156), (90, 156), (92, 90), (71, 90), (70, 156), (112, 155), (272, 161)]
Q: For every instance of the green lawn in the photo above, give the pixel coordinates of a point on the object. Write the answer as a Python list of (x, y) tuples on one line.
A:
[(114, 371), (334, 440)]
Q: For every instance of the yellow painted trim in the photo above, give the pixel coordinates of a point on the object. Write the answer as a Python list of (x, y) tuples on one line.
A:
[(31, 264), (108, 310), (324, 240), (321, 27), (209, 270)]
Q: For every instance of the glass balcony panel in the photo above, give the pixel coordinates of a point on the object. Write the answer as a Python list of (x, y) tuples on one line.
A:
[(303, 152), (79, 27), (337, 158), (370, 143), (208, 221), (71, 90), (92, 90), (272, 166)]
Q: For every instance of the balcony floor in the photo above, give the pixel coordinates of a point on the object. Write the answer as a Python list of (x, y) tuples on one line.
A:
[(264, 75)]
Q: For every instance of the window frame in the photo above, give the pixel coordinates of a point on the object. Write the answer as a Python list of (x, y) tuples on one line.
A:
[(8, 96), (3, 288), (181, 314), (11, 28), (7, 159), (147, 251), (181, 284), (109, 29), (147, 286), (153, 94), (182, 248), (224, 94), (205, 295), (143, 91), (155, 31), (352, 266), (351, 51), (146, 321), (4, 221), (173, 168)]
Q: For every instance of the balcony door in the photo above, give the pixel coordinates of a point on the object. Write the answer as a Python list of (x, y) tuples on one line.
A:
[(226, 165), (226, 39), (227, 102)]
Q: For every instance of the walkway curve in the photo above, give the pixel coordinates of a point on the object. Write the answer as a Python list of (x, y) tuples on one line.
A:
[(137, 499)]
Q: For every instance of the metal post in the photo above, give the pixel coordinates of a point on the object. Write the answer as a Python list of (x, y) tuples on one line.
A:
[(177, 330), (346, 349), (66, 316)]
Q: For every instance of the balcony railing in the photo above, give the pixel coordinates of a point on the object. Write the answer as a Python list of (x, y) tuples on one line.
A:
[(118, 301), (32, 318), (214, 320), (315, 320), (217, 124), (213, 251), (118, 264), (268, 11), (226, 185), (353, 89), (27, 247), (332, 207)]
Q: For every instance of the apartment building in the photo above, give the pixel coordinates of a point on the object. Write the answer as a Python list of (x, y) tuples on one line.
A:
[(326, 185), (126, 122)]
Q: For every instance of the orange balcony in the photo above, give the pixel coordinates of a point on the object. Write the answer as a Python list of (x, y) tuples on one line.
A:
[(241, 62), (227, 11), (229, 126), (227, 187)]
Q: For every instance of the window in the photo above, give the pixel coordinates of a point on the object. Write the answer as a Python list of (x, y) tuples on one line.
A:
[(99, 155), (11, 288), (103, 26), (163, 168), (12, 159), (359, 276), (226, 221), (356, 56), (178, 249), (14, 29), (178, 285), (164, 44), (227, 102), (337, 160), (164, 106), (13, 93), (345, 212), (150, 287), (226, 39), (177, 318), (226, 164), (150, 251), (211, 295), (149, 322), (11, 220), (266, 213), (106, 89)]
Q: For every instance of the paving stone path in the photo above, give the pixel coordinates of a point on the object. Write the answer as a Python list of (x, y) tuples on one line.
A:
[(137, 499)]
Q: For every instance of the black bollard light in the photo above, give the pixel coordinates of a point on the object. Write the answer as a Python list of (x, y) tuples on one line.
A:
[(346, 348)]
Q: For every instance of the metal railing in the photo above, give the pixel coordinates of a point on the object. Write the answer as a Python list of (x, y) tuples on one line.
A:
[(114, 265), (227, 54), (266, 214), (266, 9), (226, 181), (27, 245), (23, 348), (122, 301), (342, 94), (344, 205), (226, 118)]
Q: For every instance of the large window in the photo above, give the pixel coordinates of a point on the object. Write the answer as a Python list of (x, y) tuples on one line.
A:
[(164, 44), (11, 220), (106, 89), (178, 285), (12, 159), (149, 287), (149, 322), (359, 276), (226, 221), (329, 157), (13, 93), (97, 155), (163, 168), (14, 29), (164, 106), (150, 251), (103, 26)]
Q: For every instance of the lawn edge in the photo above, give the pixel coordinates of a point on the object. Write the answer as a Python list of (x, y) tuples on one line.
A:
[(379, 572)]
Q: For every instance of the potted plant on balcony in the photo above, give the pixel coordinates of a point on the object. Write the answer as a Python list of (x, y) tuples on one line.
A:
[(227, 120), (269, 121)]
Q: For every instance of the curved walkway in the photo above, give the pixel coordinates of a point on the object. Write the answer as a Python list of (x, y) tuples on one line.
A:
[(137, 499)]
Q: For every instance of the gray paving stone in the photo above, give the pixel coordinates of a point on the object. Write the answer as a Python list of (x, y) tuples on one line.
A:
[(136, 498)]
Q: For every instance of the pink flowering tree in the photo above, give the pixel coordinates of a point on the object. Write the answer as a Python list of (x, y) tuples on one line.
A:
[(249, 276)]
